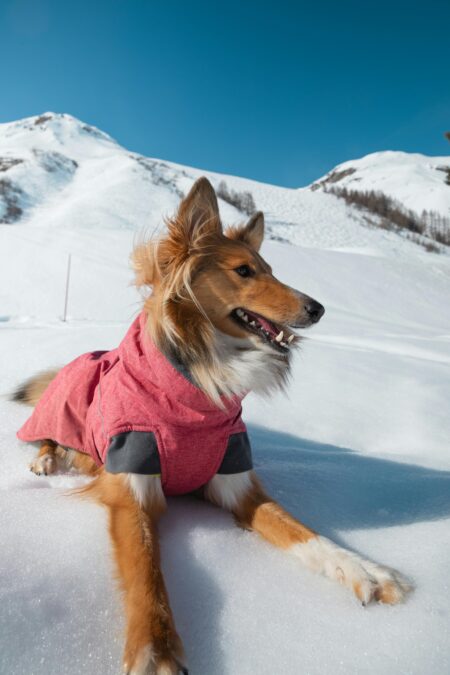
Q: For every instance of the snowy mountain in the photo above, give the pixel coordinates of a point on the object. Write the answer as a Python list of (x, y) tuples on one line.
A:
[(58, 171), (417, 182), (359, 449)]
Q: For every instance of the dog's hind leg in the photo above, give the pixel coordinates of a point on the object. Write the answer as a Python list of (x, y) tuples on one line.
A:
[(52, 457), (253, 509), (46, 461), (134, 503), (81, 461)]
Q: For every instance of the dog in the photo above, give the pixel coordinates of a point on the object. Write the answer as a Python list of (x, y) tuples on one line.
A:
[(161, 415)]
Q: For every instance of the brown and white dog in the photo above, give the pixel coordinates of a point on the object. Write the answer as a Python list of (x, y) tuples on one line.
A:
[(216, 303)]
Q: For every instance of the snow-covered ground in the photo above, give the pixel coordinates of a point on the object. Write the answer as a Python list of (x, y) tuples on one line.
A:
[(359, 449)]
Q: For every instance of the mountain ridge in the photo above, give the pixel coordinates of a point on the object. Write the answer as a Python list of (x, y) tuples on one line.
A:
[(58, 170)]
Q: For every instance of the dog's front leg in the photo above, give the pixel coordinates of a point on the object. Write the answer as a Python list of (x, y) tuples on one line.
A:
[(152, 644), (243, 495)]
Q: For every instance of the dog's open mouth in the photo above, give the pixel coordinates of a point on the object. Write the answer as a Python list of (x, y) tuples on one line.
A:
[(279, 337)]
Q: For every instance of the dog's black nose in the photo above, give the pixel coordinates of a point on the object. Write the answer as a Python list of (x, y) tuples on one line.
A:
[(315, 310)]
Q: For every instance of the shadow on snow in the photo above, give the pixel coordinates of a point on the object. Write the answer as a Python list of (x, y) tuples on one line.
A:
[(333, 488)]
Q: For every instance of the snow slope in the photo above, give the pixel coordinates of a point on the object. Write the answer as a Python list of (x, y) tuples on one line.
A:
[(359, 449), (416, 181), (64, 174)]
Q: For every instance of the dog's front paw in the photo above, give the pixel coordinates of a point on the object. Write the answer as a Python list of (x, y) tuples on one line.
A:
[(45, 464), (381, 584), (366, 579), (147, 662), (369, 581)]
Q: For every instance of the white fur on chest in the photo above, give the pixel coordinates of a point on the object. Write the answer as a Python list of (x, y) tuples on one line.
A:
[(250, 365)]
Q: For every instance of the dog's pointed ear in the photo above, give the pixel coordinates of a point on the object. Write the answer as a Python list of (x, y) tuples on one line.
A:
[(252, 233), (200, 210)]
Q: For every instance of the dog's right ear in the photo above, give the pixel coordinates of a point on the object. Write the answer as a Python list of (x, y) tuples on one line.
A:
[(198, 213), (252, 233)]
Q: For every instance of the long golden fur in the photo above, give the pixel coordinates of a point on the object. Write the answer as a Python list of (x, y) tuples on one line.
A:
[(215, 304), (191, 272)]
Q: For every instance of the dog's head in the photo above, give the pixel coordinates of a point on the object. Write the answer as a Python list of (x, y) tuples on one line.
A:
[(211, 286)]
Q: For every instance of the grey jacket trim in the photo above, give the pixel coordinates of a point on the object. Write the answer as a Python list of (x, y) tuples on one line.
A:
[(137, 452), (133, 452), (238, 455)]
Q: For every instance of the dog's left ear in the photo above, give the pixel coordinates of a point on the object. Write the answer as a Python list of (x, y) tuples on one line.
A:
[(252, 233)]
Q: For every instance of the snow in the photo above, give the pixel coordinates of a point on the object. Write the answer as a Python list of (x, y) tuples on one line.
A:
[(418, 182), (358, 449)]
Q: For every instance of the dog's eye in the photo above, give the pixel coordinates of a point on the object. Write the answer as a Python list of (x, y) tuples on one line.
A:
[(244, 271)]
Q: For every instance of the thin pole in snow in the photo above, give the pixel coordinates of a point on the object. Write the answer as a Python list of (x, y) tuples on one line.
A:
[(69, 261)]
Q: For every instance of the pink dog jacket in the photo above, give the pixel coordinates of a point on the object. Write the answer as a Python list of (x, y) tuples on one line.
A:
[(137, 412)]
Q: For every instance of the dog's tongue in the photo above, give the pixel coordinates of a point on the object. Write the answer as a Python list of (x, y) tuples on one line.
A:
[(267, 325)]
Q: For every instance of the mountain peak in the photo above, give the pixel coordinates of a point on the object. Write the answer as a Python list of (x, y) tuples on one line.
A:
[(61, 127), (416, 181), (56, 170)]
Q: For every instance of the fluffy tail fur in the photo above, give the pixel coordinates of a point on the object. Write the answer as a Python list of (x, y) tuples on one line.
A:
[(31, 391)]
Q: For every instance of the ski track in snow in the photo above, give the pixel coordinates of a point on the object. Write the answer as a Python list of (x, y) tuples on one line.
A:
[(358, 449)]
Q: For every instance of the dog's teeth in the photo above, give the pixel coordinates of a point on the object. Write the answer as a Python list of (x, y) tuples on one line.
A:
[(239, 312), (252, 323), (279, 336), (245, 317), (290, 338), (283, 344)]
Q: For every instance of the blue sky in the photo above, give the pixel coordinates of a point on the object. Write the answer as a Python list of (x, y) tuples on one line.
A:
[(277, 91)]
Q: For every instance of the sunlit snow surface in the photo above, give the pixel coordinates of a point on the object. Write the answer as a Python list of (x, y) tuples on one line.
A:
[(418, 182), (359, 448)]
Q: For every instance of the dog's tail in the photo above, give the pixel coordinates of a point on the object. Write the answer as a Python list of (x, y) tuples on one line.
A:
[(31, 391)]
